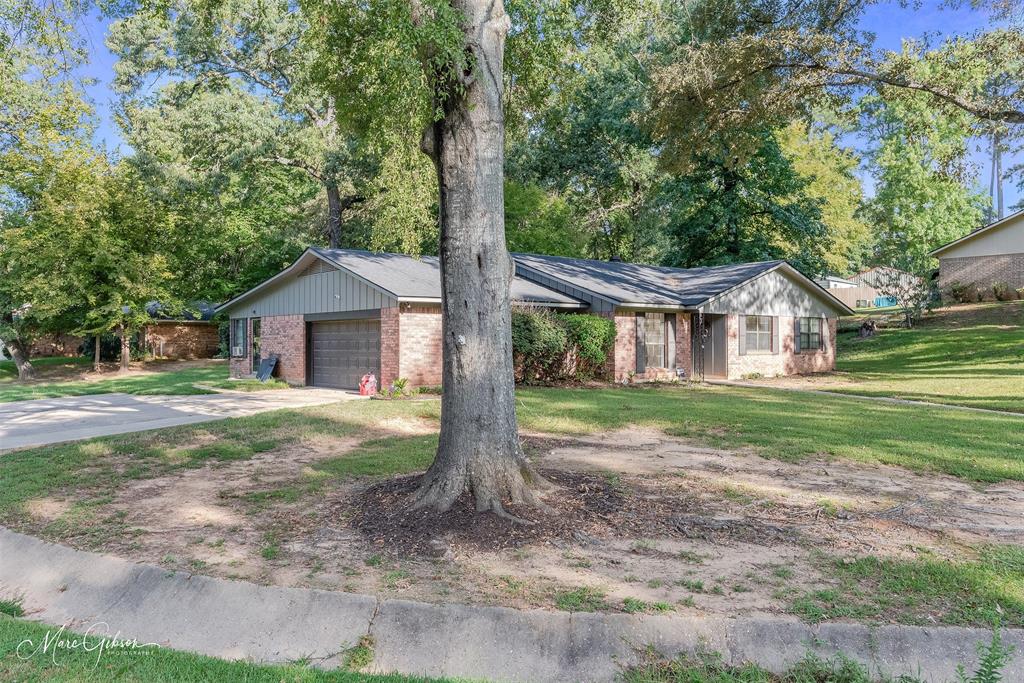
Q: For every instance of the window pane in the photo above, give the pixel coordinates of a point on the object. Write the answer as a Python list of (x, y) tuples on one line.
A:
[(654, 339), (759, 333)]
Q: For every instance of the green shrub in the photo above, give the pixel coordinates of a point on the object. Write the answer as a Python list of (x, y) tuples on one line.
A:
[(557, 346), (1003, 292), (960, 292), (591, 337)]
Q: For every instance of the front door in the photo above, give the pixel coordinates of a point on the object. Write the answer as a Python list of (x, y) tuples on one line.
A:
[(256, 358), (709, 336)]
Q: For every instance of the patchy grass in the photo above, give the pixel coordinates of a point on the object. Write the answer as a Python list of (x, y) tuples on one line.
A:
[(158, 377), (709, 668), (249, 385), (383, 457), (985, 591), (11, 608), (968, 355), (791, 425), (150, 664), (97, 468), (44, 367), (583, 599)]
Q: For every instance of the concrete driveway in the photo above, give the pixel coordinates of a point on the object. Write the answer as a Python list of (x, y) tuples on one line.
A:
[(53, 420)]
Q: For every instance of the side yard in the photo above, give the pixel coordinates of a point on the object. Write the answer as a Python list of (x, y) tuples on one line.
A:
[(57, 377), (671, 499), (971, 355)]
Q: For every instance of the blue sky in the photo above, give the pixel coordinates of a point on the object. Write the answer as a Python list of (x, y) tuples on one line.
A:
[(890, 22)]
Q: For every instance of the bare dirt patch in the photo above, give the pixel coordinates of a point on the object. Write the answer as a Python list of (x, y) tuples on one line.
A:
[(639, 517)]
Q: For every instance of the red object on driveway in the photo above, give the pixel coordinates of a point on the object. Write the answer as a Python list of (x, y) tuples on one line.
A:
[(368, 385)]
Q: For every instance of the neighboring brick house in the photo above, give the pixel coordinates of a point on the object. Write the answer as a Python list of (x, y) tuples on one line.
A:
[(334, 315), (180, 339), (991, 254)]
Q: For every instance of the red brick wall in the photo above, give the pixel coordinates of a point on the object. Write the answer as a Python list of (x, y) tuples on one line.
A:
[(684, 348), (171, 339), (786, 362), (420, 353), (390, 345), (284, 335), (982, 271), (622, 360), (52, 345)]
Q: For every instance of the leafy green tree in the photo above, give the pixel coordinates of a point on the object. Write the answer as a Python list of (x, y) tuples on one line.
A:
[(249, 66), (726, 210), (441, 66), (745, 63), (541, 222), (589, 145), (43, 121), (922, 178), (830, 172)]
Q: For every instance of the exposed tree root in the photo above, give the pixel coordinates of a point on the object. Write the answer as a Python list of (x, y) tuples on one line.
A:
[(491, 484)]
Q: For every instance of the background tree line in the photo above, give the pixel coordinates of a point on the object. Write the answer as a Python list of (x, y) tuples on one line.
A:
[(676, 133)]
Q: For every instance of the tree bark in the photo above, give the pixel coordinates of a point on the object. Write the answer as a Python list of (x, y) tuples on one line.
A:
[(479, 449), (20, 355), (126, 352), (96, 354), (333, 215)]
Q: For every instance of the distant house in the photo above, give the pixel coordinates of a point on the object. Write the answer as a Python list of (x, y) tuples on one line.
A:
[(863, 290), (993, 253), (336, 314), (188, 334)]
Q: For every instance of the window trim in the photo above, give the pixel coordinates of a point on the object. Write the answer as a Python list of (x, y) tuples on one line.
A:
[(239, 325), (753, 351), (668, 341), (800, 334)]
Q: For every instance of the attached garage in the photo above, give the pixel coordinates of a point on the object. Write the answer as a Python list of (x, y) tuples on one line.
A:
[(336, 314), (342, 351)]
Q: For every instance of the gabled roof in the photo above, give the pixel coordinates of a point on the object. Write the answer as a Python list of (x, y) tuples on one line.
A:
[(1001, 223), (631, 284), (405, 278), (623, 283), (412, 279)]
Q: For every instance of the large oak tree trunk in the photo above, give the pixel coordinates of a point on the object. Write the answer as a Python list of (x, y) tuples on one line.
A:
[(479, 449), (19, 353)]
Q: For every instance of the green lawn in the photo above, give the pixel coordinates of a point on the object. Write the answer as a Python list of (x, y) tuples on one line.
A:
[(148, 665), (778, 424), (791, 425), (986, 590), (968, 355), (159, 380)]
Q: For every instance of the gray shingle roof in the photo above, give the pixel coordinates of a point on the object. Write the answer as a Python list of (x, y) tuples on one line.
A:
[(630, 283), (420, 278)]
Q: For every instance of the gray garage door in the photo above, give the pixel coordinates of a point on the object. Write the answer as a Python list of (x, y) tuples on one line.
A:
[(343, 351)]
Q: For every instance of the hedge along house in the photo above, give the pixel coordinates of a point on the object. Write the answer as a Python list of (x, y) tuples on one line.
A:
[(334, 315), (719, 322)]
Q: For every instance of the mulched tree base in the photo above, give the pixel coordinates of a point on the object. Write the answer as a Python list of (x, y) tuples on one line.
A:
[(586, 507)]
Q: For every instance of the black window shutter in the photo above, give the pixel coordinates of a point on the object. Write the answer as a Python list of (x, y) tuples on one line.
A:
[(670, 341), (775, 334), (743, 334), (796, 335), (641, 348)]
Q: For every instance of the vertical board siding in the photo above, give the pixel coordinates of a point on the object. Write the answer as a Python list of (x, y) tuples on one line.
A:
[(331, 291), (597, 304)]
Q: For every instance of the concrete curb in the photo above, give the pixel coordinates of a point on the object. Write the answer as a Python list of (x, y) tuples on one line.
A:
[(237, 620)]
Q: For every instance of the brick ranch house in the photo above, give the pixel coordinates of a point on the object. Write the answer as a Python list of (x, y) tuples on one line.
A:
[(335, 314), (993, 253)]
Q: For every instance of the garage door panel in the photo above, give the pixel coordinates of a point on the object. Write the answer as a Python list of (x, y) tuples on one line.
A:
[(343, 351)]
